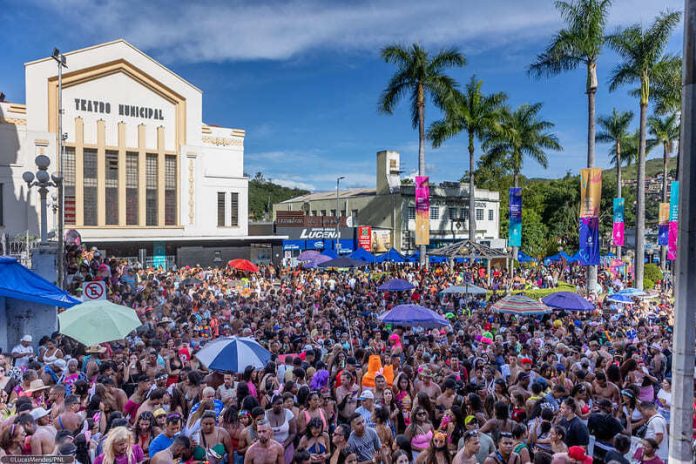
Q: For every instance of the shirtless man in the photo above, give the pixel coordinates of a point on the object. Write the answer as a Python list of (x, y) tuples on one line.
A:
[(265, 450), (428, 386), (181, 448), (212, 435), (446, 399), (605, 389), (347, 395), (69, 419), (153, 402), (44, 437), (56, 400), (472, 445)]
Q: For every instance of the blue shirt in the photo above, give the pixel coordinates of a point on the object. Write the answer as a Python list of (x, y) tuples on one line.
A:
[(161, 442)]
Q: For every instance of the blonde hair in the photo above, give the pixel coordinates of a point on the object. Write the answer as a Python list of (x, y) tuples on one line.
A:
[(115, 435)]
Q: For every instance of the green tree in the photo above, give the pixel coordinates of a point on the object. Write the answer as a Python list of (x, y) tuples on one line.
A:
[(477, 114), (642, 51), (534, 238), (419, 76), (614, 129), (579, 43)]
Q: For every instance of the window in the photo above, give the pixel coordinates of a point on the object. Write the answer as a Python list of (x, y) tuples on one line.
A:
[(412, 212), (111, 190), (435, 212), (234, 209), (323, 212), (69, 186), (479, 214), (170, 190), (490, 214), (333, 213), (464, 214), (132, 180), (151, 190), (453, 214), (314, 212), (221, 209), (89, 189), (354, 214)]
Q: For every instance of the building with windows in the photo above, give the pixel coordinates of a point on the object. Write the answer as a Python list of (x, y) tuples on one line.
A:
[(141, 169), (389, 210)]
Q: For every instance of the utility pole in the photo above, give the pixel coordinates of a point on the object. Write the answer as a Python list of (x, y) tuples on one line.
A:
[(61, 61), (681, 425), (338, 217)]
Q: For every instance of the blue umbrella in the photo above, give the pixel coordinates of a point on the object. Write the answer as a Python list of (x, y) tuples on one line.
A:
[(413, 315), (630, 291), (618, 298), (568, 301), (466, 289), (233, 354), (396, 285)]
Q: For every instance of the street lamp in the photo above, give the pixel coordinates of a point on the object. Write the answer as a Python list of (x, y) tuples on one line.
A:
[(43, 180), (62, 63), (338, 217)]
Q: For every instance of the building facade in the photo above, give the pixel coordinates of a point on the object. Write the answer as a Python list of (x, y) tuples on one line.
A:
[(141, 170), (389, 210)]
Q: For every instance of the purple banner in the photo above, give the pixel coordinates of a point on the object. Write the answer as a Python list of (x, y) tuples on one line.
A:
[(589, 241), (672, 240), (663, 234)]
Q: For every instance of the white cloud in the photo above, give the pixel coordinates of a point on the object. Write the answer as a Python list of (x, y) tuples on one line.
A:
[(278, 30), (289, 183)]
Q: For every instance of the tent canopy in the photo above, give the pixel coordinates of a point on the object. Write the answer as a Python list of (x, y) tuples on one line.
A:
[(391, 256), (469, 249), (16, 281), (362, 254), (523, 257)]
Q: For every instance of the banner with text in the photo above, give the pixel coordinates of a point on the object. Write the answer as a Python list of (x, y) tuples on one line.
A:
[(673, 228), (663, 224), (365, 237), (618, 226), (422, 210), (590, 191), (589, 241), (515, 227)]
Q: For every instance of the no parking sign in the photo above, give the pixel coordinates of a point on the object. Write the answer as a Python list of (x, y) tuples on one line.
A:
[(93, 291)]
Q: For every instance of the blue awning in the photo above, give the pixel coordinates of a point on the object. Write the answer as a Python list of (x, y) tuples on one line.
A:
[(294, 245), (16, 281)]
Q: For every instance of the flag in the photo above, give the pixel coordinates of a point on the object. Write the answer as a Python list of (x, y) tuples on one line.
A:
[(515, 227)]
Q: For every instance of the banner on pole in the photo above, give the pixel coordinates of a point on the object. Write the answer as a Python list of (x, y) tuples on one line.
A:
[(590, 191), (515, 226), (674, 201), (422, 210), (663, 224), (365, 237), (589, 241), (617, 233), (673, 228)]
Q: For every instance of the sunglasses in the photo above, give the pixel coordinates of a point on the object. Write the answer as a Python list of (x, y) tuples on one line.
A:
[(470, 434)]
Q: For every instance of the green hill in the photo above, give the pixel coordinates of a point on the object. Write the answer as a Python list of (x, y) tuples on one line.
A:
[(264, 193), (653, 167)]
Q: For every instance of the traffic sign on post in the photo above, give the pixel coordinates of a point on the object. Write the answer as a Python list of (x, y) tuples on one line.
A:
[(93, 291)]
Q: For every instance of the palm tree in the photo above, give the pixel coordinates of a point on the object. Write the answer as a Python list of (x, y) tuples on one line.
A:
[(614, 130), (580, 42), (419, 76), (642, 51), (664, 132), (522, 134), (476, 114)]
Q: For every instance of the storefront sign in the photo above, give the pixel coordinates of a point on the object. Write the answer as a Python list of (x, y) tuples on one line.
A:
[(515, 225), (590, 191), (422, 210), (365, 237)]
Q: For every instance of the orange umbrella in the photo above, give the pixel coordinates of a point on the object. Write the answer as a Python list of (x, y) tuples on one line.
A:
[(243, 265)]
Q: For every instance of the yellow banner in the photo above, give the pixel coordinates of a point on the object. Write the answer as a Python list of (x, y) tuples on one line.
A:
[(590, 191), (422, 228), (663, 214)]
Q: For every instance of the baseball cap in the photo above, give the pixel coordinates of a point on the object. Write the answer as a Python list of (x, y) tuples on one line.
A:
[(577, 453), (27, 338), (367, 395), (38, 413)]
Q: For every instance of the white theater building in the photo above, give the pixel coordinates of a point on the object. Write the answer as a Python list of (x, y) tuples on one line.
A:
[(141, 169)]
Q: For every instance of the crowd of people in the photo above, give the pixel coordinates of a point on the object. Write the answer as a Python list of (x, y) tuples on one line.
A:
[(341, 386)]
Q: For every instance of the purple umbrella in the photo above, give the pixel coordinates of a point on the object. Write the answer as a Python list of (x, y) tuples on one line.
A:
[(568, 301), (414, 315), (396, 285), (316, 260), (308, 255)]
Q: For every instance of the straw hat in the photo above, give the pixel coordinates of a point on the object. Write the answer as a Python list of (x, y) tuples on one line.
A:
[(36, 385), (93, 349)]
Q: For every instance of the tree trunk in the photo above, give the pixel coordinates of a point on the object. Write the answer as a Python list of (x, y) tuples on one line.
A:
[(472, 190), (640, 203), (591, 93), (421, 153), (618, 184), (665, 172)]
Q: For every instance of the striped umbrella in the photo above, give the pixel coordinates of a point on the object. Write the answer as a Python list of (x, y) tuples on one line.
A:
[(233, 354), (520, 305)]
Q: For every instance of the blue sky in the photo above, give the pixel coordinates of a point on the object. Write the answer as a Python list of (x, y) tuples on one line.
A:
[(303, 76)]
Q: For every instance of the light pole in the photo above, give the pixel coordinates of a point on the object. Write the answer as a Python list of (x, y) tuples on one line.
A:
[(43, 180), (338, 217), (62, 63)]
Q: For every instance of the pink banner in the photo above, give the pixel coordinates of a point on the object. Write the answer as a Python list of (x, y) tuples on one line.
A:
[(672, 240), (618, 234)]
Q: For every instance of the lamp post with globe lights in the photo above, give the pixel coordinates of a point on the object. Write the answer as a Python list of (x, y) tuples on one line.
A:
[(42, 180)]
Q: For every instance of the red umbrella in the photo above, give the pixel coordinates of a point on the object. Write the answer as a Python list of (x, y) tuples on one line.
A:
[(243, 265)]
